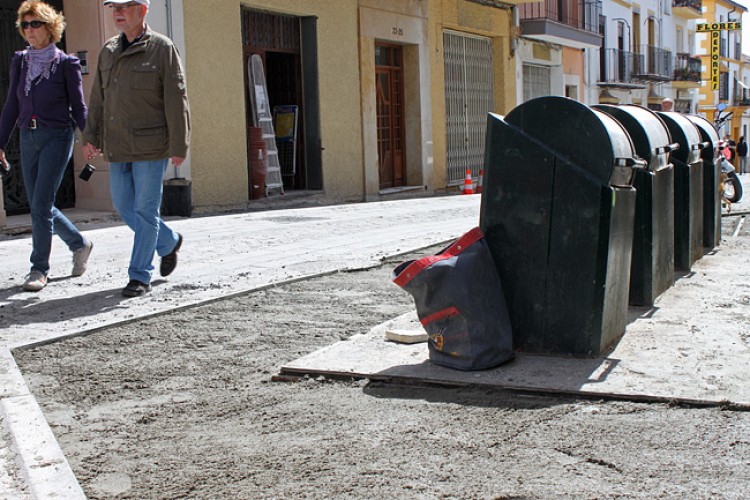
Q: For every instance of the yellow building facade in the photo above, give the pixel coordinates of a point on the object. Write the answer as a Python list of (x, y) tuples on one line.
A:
[(381, 92), (721, 56), (469, 20), (368, 79)]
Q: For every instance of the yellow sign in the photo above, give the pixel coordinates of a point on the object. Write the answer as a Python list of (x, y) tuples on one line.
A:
[(714, 29), (715, 43), (703, 27)]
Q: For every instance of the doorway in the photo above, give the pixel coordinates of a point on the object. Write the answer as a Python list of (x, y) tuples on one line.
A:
[(389, 77), (286, 45)]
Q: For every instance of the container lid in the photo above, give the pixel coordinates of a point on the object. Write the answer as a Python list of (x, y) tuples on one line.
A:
[(685, 134), (590, 139), (647, 131), (706, 128)]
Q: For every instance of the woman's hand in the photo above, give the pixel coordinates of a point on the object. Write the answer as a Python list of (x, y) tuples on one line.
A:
[(4, 165)]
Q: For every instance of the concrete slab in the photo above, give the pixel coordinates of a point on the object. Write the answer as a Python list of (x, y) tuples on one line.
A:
[(692, 346)]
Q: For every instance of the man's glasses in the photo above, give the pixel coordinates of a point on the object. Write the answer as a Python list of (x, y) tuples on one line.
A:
[(122, 7), (34, 24)]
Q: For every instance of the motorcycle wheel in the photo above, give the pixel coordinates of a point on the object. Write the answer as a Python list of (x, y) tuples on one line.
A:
[(733, 189)]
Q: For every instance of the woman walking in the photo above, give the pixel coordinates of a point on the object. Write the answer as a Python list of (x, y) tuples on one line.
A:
[(45, 101)]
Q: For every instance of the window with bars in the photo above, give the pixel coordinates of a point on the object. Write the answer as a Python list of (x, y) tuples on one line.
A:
[(469, 96), (536, 81)]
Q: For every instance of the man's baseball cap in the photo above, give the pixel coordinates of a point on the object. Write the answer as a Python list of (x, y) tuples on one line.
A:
[(120, 2)]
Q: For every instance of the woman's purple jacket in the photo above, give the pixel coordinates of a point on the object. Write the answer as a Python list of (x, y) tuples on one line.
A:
[(57, 102)]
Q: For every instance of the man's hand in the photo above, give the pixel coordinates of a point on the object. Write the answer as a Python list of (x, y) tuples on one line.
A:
[(177, 160), (91, 151)]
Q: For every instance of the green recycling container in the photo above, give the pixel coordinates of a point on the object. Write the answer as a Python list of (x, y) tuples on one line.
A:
[(688, 189), (652, 266), (557, 209), (711, 181)]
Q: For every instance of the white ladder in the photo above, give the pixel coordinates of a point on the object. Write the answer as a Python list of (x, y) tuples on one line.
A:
[(263, 119)]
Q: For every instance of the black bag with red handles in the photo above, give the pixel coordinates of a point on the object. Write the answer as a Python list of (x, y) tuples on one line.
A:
[(460, 303)]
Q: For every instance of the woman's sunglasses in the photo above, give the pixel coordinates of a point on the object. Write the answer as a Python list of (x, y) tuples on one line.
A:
[(34, 24)]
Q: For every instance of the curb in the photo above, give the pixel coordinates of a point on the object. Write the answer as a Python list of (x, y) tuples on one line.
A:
[(39, 458)]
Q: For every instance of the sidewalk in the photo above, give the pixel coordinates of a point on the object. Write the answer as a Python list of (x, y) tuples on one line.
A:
[(221, 256)]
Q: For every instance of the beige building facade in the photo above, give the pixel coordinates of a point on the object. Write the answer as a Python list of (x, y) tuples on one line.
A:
[(370, 80)]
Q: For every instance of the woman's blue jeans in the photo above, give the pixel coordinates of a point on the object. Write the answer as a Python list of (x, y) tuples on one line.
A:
[(45, 153), (136, 193)]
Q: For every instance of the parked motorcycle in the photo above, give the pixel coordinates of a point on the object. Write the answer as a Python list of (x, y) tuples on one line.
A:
[(731, 187), (730, 182)]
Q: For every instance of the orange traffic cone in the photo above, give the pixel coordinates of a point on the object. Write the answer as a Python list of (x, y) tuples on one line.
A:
[(468, 186), (479, 182)]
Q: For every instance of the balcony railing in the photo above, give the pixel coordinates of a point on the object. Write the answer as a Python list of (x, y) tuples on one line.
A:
[(686, 68), (657, 65), (616, 66), (741, 94), (695, 5), (583, 15)]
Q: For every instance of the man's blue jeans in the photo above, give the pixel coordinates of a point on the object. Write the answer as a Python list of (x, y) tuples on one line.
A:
[(45, 153), (136, 193)]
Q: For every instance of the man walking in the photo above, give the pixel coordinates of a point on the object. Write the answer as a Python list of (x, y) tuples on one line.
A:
[(139, 117), (742, 154)]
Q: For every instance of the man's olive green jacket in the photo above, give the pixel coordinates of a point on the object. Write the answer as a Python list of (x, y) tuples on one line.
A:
[(138, 109)]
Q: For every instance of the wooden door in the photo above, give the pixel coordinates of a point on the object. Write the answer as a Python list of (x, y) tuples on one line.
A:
[(390, 115)]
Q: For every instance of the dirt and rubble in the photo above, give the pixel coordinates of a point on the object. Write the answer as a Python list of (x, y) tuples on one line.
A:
[(184, 405)]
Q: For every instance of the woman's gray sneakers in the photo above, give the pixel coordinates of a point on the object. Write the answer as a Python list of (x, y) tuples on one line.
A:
[(35, 281), (81, 258)]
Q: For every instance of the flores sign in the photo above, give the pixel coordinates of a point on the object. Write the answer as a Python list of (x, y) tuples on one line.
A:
[(714, 29)]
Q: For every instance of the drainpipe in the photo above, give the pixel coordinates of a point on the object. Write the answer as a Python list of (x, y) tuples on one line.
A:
[(515, 27), (169, 18), (659, 20), (168, 5)]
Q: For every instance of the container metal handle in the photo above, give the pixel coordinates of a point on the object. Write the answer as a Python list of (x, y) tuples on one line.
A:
[(700, 145), (667, 149), (635, 163)]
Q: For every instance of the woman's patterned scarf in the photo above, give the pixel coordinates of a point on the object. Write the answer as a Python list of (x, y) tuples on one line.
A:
[(41, 62)]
